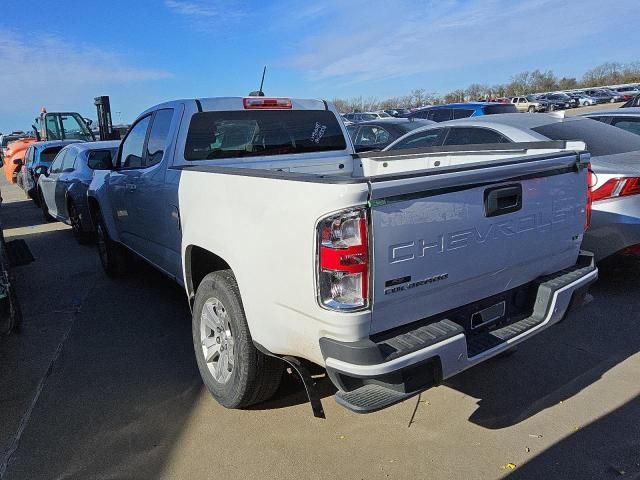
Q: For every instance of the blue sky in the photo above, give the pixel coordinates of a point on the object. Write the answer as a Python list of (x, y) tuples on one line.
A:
[(141, 52)]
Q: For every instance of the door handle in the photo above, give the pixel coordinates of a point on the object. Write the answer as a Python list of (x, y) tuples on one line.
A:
[(130, 186), (502, 200)]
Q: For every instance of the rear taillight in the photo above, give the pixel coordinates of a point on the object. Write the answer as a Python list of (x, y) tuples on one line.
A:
[(257, 103), (343, 261), (617, 187)]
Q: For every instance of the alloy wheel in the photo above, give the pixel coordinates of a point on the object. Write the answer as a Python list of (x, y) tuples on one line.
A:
[(216, 337)]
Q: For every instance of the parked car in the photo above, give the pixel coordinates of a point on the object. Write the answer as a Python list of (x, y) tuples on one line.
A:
[(603, 96), (583, 99), (38, 154), (7, 138), (631, 90), (618, 96), (442, 113), (530, 104), (357, 117), (615, 155), (559, 101), (627, 119), (14, 157), (634, 102), (292, 248), (377, 134), (63, 186)]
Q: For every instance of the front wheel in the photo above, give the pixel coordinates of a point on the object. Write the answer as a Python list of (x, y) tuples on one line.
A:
[(113, 256), (80, 235), (234, 371), (45, 209)]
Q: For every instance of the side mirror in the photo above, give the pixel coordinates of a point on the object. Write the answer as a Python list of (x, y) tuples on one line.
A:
[(100, 162), (41, 170)]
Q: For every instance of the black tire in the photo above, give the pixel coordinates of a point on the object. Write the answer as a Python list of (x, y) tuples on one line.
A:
[(80, 235), (113, 256), (255, 377), (45, 209)]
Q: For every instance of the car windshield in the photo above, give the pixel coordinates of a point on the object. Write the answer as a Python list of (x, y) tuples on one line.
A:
[(48, 154), (232, 134), (601, 139), (384, 115)]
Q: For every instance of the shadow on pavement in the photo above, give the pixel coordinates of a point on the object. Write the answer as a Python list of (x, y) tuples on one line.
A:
[(563, 360), (607, 448)]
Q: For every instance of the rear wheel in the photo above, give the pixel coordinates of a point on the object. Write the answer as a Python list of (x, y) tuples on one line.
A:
[(235, 372), (113, 256), (81, 236), (45, 209)]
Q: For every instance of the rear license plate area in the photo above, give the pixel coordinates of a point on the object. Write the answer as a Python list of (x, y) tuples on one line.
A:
[(488, 315)]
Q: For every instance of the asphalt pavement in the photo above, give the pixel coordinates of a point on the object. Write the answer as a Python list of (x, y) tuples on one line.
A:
[(101, 383)]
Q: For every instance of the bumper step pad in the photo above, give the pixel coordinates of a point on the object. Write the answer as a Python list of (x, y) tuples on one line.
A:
[(370, 398)]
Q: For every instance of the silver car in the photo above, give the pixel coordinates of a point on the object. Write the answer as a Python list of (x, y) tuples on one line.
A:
[(615, 160), (626, 118)]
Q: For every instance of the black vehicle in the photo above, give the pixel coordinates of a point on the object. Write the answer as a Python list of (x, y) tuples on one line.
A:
[(377, 134), (560, 101)]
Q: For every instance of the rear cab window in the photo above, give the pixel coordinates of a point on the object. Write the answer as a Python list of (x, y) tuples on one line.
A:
[(235, 134)]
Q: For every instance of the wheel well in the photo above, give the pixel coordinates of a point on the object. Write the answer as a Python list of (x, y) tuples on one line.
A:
[(199, 263)]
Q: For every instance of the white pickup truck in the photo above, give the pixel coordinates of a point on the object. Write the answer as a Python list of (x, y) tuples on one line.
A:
[(393, 270)]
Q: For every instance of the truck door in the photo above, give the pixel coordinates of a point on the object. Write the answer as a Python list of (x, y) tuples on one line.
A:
[(123, 182), (158, 226)]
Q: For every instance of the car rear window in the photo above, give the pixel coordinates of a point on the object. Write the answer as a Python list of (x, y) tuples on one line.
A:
[(601, 139), (233, 134), (48, 154), (411, 125), (500, 108)]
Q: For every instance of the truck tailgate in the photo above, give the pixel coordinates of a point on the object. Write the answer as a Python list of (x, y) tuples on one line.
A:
[(446, 238)]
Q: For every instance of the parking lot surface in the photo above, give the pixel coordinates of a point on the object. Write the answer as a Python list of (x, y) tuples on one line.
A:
[(102, 383)]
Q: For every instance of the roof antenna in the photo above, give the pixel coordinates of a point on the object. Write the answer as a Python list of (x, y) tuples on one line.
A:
[(260, 93)]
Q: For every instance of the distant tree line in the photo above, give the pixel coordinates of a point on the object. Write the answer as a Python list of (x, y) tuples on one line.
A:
[(524, 83)]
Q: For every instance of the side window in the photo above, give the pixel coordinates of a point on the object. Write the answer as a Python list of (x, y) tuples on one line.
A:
[(473, 136), (158, 136), (53, 130), (99, 159), (627, 123), (427, 138), (440, 115), (462, 113), (28, 158), (523, 100), (69, 159), (133, 145), (56, 166)]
